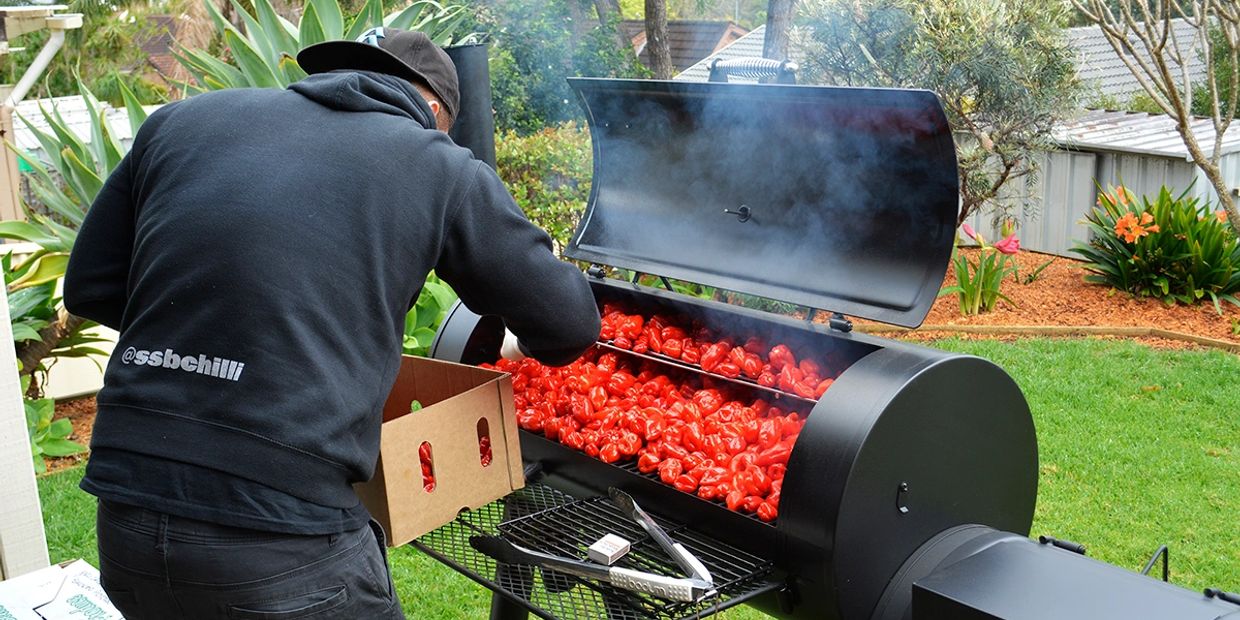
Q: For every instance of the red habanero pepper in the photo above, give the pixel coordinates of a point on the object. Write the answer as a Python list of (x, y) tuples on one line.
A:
[(769, 432), (689, 351), (575, 440), (766, 379), (672, 348), (631, 326), (712, 356), (619, 383), (752, 366), (647, 463), (780, 356), (609, 453), (641, 345), (804, 390), (761, 481), (737, 355), (598, 397), (822, 387), (776, 472), (629, 444), (767, 512), (789, 377), (670, 469), (734, 499), (777, 453), (741, 462), (728, 369), (685, 483), (751, 503), (810, 367), (707, 492), (622, 342), (607, 362)]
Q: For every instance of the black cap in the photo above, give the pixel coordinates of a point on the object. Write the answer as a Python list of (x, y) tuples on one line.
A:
[(403, 53)]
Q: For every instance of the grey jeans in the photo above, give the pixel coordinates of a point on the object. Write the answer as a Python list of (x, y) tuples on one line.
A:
[(156, 566)]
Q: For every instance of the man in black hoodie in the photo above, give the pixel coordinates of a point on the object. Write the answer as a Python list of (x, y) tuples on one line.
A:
[(258, 249)]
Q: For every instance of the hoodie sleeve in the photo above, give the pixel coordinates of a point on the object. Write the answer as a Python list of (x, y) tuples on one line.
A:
[(500, 263), (96, 281)]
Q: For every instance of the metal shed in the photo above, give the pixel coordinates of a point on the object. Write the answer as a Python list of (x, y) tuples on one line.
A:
[(1100, 148)]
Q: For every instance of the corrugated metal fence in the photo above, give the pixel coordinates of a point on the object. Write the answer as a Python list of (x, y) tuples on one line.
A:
[(1051, 207)]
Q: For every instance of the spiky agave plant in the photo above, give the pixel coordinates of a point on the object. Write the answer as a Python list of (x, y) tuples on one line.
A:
[(65, 183), (264, 55)]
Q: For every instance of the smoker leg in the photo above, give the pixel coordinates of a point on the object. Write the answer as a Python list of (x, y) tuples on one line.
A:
[(517, 579), (503, 608)]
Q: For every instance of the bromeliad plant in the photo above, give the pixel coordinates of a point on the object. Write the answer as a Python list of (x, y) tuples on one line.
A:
[(1170, 248), (265, 54), (978, 282)]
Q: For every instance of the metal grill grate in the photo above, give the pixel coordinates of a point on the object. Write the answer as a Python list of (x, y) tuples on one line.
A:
[(548, 520)]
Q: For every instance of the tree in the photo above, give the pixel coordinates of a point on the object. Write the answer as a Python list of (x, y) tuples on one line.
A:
[(778, 21), (1000, 67), (1160, 67), (656, 39)]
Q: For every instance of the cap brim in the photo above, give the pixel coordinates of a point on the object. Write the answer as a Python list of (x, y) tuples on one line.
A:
[(335, 55)]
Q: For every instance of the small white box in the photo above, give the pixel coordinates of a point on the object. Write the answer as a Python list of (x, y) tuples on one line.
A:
[(608, 549)]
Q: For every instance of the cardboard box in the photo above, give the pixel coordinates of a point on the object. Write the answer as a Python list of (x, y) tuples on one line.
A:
[(456, 401), (58, 592)]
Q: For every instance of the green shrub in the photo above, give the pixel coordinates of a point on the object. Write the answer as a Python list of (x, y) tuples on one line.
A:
[(548, 173), (1171, 248)]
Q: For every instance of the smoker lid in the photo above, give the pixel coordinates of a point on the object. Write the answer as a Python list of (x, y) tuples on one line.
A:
[(851, 194)]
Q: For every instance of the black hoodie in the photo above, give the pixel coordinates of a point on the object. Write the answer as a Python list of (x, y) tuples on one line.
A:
[(258, 250)]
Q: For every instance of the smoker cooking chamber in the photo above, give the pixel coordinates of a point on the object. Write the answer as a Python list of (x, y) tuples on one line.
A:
[(840, 200)]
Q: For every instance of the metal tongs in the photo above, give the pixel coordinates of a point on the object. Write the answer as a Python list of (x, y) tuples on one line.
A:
[(695, 587)]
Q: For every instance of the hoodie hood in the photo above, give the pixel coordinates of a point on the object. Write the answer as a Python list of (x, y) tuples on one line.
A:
[(366, 91)]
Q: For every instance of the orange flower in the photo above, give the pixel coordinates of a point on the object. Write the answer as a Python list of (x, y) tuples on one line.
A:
[(1221, 215), (1131, 229)]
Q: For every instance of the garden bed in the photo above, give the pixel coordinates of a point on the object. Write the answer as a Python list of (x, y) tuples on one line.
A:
[(1061, 297), (1058, 297)]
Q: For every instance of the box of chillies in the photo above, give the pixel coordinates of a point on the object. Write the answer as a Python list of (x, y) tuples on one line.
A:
[(449, 442)]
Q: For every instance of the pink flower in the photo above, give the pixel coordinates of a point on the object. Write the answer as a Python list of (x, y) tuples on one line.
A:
[(968, 230), (1009, 245)]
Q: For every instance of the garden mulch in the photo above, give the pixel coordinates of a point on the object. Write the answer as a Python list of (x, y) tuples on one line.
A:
[(1058, 297)]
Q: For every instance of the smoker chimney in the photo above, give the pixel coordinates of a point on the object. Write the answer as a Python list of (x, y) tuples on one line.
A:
[(474, 128)]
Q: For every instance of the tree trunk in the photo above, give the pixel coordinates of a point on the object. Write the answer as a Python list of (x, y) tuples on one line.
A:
[(578, 11), (656, 39), (609, 17), (778, 21), (31, 352)]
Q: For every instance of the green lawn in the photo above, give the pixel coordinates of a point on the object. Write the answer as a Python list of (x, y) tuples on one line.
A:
[(1138, 447)]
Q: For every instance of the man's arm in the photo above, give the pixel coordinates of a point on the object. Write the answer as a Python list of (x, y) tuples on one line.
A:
[(96, 281), (500, 263)]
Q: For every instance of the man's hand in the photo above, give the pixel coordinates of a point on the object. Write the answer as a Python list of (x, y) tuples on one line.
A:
[(510, 350)]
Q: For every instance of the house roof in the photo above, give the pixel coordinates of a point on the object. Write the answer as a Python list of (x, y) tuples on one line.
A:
[(73, 111), (1137, 132), (158, 47), (689, 40), (748, 46), (1104, 72)]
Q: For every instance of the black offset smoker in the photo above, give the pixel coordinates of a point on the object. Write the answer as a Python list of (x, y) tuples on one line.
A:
[(914, 472)]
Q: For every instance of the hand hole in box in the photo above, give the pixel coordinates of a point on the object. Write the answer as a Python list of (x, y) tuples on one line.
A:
[(484, 442), (428, 466)]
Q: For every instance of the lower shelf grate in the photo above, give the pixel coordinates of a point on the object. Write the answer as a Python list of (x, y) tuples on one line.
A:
[(544, 519)]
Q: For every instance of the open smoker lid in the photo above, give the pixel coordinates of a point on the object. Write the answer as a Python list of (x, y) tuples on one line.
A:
[(841, 199)]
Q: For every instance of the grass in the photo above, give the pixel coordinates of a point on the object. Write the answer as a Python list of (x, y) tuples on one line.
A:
[(1138, 447)]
